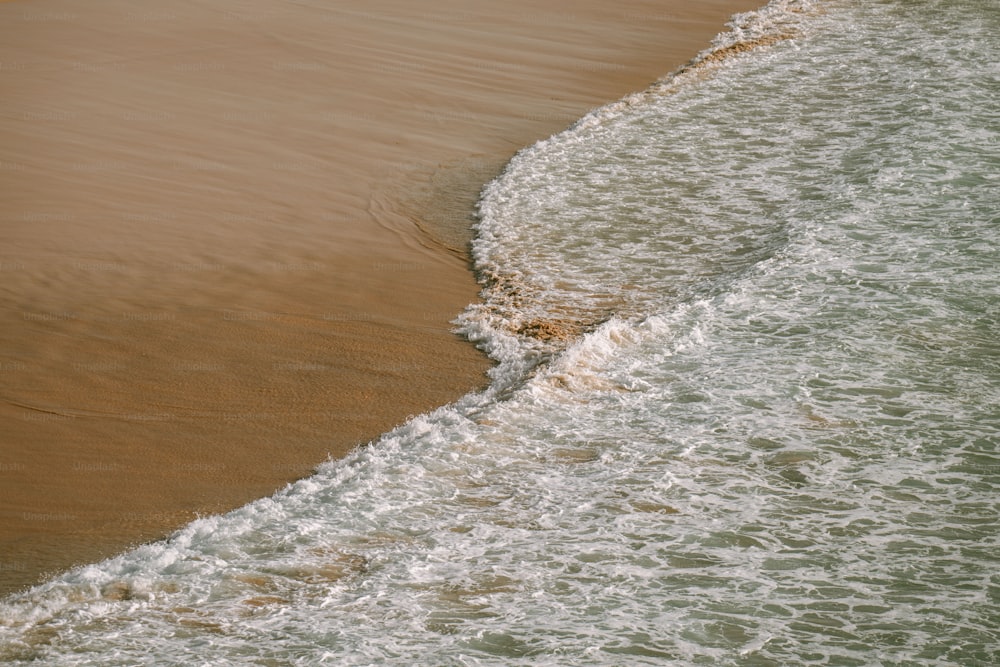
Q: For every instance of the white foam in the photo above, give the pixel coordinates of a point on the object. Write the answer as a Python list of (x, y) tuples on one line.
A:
[(779, 457)]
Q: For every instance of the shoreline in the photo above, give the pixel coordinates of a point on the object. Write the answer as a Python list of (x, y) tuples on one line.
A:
[(236, 235)]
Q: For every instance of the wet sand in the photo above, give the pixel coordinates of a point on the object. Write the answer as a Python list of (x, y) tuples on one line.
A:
[(233, 234)]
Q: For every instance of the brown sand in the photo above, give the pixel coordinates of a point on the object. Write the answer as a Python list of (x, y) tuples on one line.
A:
[(232, 234)]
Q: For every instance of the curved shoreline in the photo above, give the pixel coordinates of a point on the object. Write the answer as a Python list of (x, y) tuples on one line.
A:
[(215, 252)]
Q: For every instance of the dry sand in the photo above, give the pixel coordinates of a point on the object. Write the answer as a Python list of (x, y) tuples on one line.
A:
[(233, 233)]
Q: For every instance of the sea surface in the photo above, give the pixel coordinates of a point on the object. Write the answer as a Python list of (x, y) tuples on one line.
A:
[(746, 409)]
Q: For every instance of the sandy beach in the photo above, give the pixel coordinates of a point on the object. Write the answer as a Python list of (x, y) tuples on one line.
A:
[(233, 234)]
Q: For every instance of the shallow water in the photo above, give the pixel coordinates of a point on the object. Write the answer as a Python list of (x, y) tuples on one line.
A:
[(756, 422)]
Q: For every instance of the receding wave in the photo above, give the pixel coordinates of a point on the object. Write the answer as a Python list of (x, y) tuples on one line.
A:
[(745, 411)]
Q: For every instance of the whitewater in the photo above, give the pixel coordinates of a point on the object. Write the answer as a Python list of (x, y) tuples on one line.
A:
[(745, 408)]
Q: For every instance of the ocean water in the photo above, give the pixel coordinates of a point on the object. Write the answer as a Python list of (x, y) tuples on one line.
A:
[(746, 410)]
